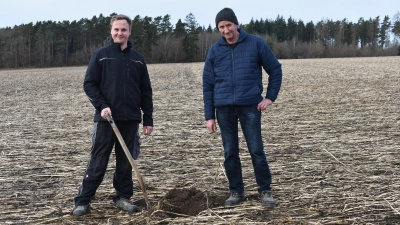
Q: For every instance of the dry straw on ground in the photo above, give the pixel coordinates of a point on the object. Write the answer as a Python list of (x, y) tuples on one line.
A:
[(332, 139)]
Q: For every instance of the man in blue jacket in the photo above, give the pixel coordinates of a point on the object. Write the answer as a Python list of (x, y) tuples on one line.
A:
[(116, 82), (232, 92)]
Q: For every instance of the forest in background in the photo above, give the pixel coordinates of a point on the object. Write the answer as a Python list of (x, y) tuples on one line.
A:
[(51, 43)]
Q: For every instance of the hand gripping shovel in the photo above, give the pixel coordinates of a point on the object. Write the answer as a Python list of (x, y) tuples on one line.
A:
[(133, 163)]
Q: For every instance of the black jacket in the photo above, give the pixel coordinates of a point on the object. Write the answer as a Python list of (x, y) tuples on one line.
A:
[(119, 80)]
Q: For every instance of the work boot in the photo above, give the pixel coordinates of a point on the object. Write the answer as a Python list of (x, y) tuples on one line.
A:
[(266, 199), (126, 206), (234, 199), (80, 210)]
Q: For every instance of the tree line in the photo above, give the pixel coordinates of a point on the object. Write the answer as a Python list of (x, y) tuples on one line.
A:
[(50, 43)]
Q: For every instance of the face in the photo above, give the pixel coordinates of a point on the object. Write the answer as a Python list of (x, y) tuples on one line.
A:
[(120, 32), (229, 31)]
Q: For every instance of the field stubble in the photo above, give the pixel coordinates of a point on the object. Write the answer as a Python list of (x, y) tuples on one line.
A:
[(332, 139)]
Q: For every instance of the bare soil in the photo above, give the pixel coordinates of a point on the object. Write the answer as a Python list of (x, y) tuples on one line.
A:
[(332, 140)]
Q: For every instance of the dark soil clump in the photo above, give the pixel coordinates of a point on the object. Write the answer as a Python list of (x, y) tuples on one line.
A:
[(190, 201)]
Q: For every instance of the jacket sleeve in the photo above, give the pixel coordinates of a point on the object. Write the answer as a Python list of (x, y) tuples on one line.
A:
[(146, 101), (92, 81), (273, 68), (208, 87)]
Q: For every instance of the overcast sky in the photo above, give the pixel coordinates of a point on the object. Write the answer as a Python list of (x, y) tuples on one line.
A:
[(17, 12)]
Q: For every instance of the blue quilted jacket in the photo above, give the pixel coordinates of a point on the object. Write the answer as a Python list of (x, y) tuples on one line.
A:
[(232, 75)]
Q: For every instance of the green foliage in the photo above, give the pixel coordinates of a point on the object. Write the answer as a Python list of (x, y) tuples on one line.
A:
[(396, 28), (209, 29), (291, 29), (309, 33), (348, 36), (180, 30), (396, 25), (280, 28), (191, 38), (50, 43), (383, 31)]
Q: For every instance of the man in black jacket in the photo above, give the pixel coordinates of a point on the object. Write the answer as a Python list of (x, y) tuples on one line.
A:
[(116, 82)]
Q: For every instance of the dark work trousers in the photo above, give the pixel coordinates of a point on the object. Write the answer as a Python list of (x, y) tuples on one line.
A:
[(103, 141)]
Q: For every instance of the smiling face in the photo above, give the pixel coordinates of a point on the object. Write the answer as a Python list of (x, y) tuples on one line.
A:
[(229, 31), (120, 32)]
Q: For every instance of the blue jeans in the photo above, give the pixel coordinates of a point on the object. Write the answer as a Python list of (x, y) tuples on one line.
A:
[(250, 122)]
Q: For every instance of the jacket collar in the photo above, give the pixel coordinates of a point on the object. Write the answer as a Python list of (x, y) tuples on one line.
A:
[(242, 35), (117, 45)]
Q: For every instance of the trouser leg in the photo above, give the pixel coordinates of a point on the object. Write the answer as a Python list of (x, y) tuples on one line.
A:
[(250, 121), (122, 180), (228, 124), (103, 140)]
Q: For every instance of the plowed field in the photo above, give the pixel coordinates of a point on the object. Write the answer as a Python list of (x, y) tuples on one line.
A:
[(332, 139)]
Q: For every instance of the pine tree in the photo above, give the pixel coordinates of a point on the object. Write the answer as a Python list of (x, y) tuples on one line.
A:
[(191, 38), (385, 25)]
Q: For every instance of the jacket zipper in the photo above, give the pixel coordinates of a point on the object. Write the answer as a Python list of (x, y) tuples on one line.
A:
[(124, 71), (233, 76)]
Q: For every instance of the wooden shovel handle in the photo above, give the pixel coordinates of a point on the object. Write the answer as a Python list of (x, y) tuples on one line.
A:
[(130, 158)]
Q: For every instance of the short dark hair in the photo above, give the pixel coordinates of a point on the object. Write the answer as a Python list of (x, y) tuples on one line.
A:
[(120, 17)]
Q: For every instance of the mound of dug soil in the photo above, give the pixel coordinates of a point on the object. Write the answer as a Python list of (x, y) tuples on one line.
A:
[(190, 201)]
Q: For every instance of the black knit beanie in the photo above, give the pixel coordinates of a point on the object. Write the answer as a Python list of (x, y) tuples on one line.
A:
[(226, 14)]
